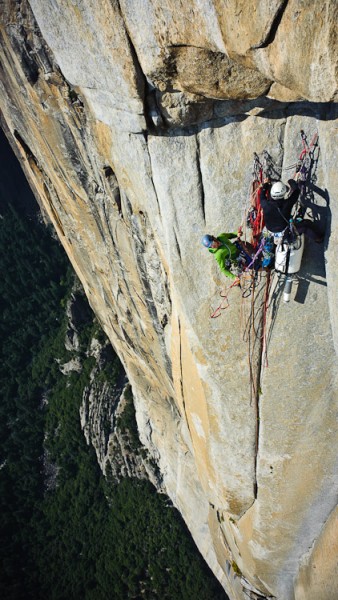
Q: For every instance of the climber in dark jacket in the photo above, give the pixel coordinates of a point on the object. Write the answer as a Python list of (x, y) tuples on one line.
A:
[(277, 208)]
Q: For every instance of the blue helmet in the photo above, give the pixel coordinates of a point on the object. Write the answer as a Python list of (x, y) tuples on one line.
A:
[(207, 240)]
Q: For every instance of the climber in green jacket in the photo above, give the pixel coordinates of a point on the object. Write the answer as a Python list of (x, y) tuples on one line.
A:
[(227, 252)]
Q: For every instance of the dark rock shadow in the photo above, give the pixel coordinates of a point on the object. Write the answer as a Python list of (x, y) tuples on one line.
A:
[(313, 264), (214, 114), (312, 270)]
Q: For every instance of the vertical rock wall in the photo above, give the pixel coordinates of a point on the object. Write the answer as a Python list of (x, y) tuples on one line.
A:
[(136, 124)]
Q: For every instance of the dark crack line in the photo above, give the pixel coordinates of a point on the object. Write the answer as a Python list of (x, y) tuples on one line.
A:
[(181, 375), (151, 109), (200, 176), (178, 247), (257, 414), (256, 333), (261, 354), (274, 27), (138, 68), (151, 176), (254, 383), (192, 46)]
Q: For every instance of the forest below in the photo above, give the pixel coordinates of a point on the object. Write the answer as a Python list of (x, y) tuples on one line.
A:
[(66, 531)]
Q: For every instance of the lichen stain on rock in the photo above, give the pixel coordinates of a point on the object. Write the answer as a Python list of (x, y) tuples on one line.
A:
[(209, 74)]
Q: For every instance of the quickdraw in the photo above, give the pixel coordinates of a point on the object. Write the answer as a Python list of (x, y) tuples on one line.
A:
[(308, 148), (304, 169), (308, 151)]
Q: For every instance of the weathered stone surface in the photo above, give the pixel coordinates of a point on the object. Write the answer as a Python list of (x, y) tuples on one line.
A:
[(292, 42), (245, 26), (317, 565), (302, 52), (132, 175), (102, 65), (210, 74), (283, 94)]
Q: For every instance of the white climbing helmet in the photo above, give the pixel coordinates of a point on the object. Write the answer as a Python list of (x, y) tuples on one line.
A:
[(278, 190)]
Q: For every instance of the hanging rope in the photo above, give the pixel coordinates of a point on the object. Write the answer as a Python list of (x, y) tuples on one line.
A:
[(250, 336), (256, 255), (225, 302), (255, 219), (255, 327), (264, 320)]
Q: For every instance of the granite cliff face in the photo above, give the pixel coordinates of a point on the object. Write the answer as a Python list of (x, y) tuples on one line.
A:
[(136, 124)]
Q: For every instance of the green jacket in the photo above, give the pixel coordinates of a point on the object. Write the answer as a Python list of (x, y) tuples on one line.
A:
[(226, 252)]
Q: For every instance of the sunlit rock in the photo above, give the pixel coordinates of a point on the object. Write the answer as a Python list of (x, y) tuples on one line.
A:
[(136, 124)]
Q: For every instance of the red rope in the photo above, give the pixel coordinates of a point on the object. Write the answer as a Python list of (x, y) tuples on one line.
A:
[(256, 219), (224, 294), (307, 147)]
